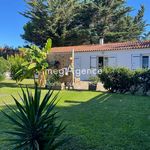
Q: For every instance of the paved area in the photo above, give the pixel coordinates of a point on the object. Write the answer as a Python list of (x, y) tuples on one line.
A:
[(84, 85)]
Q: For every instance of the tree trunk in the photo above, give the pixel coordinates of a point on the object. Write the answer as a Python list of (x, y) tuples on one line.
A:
[(34, 78), (42, 79)]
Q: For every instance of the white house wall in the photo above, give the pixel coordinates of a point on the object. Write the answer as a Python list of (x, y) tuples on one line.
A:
[(123, 58)]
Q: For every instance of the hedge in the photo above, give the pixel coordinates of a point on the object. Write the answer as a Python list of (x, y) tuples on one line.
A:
[(122, 80)]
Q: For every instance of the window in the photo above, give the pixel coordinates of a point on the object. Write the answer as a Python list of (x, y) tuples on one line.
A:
[(145, 62), (100, 62)]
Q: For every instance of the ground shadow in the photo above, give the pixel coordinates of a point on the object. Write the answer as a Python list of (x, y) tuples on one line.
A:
[(14, 85), (5, 84), (107, 121), (73, 102)]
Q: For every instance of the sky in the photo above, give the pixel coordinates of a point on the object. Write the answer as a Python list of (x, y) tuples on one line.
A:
[(11, 22)]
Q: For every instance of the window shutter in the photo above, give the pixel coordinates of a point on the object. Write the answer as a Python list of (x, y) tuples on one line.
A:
[(105, 61), (112, 61), (136, 61), (93, 62), (77, 63)]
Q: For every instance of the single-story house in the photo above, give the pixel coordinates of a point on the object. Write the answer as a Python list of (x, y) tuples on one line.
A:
[(132, 55)]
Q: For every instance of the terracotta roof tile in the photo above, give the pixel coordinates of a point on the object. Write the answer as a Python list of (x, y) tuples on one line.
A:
[(104, 47)]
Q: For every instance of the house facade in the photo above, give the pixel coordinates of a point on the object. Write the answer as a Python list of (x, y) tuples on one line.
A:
[(133, 55)]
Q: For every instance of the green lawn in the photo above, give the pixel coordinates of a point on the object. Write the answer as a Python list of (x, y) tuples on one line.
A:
[(96, 120)]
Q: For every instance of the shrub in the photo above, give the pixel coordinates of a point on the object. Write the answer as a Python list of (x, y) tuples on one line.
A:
[(94, 80), (136, 81), (35, 122), (106, 78), (124, 80), (4, 67), (144, 78), (53, 80), (116, 79), (16, 64)]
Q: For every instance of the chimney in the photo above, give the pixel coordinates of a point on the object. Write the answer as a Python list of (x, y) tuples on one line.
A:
[(101, 41)]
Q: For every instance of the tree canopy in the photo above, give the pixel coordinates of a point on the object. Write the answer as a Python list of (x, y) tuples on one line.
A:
[(74, 22)]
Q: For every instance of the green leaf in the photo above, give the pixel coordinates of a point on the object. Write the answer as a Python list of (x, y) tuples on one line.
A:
[(25, 64), (32, 66), (48, 46)]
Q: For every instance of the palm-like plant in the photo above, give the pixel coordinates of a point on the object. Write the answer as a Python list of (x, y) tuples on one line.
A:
[(36, 62), (35, 122)]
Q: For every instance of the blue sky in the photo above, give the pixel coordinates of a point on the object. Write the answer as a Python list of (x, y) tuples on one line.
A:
[(11, 22)]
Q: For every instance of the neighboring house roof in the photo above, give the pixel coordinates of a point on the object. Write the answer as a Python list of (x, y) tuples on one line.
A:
[(104, 47)]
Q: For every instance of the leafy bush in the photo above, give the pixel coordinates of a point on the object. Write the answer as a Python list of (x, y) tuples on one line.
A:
[(116, 79), (53, 80), (124, 80), (144, 78), (140, 81), (136, 81), (94, 80), (4, 67), (106, 78), (35, 122), (16, 64)]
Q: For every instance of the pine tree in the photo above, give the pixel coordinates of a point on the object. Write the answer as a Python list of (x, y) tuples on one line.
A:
[(36, 29), (75, 22), (48, 19), (108, 19)]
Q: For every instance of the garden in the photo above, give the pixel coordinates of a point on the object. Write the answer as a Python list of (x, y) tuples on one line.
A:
[(94, 120), (35, 115)]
